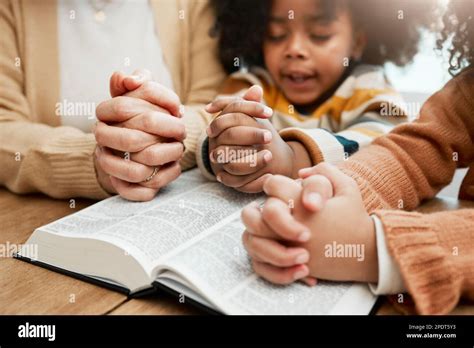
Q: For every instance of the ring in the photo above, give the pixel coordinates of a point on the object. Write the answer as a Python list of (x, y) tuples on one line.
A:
[(155, 171)]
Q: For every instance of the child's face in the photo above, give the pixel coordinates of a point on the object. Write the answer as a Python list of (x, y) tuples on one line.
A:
[(306, 53)]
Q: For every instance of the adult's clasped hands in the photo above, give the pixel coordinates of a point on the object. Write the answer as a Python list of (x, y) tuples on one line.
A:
[(139, 134)]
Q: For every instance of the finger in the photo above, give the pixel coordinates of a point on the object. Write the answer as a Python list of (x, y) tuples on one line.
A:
[(249, 164), (254, 93), (250, 108), (273, 252), (229, 120), (121, 83), (317, 189), (279, 275), (133, 192), (138, 78), (227, 153), (255, 186), (121, 168), (252, 219), (159, 154), (286, 189), (121, 109), (218, 104), (236, 181), (116, 85), (158, 123), (243, 135), (165, 175), (277, 215), (123, 139), (159, 95), (310, 281), (341, 182)]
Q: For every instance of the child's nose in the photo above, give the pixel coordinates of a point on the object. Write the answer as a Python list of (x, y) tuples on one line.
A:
[(296, 48)]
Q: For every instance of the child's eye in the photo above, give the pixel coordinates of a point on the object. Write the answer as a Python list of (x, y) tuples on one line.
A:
[(320, 38)]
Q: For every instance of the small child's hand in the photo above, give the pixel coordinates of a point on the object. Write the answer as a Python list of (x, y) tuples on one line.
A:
[(244, 147), (336, 220)]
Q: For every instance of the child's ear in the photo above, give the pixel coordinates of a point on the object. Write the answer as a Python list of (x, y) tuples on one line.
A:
[(359, 45)]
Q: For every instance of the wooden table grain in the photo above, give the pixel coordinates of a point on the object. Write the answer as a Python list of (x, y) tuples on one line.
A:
[(28, 289)]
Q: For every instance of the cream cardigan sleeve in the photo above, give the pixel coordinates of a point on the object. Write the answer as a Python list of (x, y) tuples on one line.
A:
[(36, 157)]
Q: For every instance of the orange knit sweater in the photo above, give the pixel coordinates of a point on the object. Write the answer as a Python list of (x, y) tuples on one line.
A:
[(435, 252)]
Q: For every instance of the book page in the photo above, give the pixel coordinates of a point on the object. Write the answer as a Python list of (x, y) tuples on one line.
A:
[(220, 268), (151, 230)]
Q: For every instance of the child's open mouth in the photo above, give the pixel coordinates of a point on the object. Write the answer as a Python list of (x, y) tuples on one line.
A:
[(299, 80)]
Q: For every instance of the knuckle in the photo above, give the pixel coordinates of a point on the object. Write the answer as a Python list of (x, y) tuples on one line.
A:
[(135, 174), (270, 211), (270, 183), (99, 108), (148, 120), (237, 105), (125, 140), (152, 155), (281, 259), (234, 118), (231, 134), (150, 90), (120, 106), (98, 134)]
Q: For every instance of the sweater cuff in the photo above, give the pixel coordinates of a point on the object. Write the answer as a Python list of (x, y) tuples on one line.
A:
[(321, 145), (72, 167), (202, 157), (429, 273), (390, 280)]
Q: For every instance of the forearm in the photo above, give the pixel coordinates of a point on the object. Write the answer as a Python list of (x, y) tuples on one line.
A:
[(57, 161), (301, 158)]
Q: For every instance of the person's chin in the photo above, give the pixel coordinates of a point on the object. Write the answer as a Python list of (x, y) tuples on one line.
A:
[(302, 99)]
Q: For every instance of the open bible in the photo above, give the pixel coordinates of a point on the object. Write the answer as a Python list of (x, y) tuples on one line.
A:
[(187, 241)]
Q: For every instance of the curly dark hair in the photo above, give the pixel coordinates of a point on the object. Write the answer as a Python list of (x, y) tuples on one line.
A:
[(241, 27), (458, 32)]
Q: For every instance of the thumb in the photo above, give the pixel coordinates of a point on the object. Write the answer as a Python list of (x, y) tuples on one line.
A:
[(341, 182), (317, 189), (120, 83), (254, 93), (138, 78), (116, 85)]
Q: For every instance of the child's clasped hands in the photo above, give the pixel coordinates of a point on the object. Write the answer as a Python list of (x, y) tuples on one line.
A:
[(244, 147), (305, 228)]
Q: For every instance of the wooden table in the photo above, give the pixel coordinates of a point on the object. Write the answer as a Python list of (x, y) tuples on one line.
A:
[(28, 289)]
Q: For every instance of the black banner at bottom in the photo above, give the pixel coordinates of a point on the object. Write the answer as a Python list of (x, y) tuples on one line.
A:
[(242, 330)]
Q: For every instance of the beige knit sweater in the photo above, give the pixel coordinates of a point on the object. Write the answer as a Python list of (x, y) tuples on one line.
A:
[(39, 155), (435, 252)]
